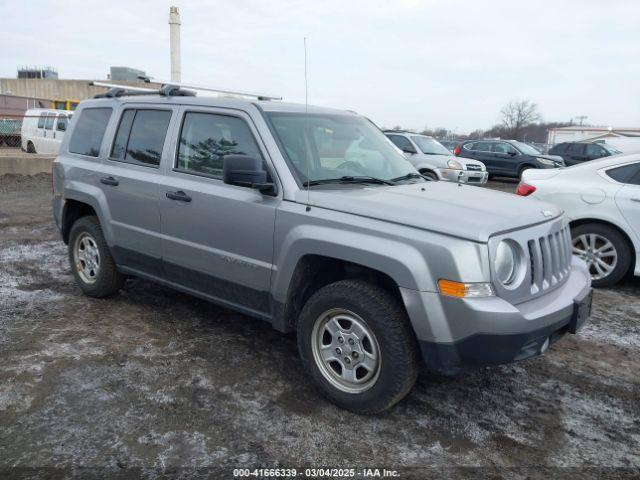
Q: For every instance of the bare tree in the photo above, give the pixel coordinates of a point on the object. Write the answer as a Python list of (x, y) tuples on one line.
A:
[(516, 115)]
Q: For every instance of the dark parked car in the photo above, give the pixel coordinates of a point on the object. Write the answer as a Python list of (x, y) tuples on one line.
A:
[(506, 158), (575, 152)]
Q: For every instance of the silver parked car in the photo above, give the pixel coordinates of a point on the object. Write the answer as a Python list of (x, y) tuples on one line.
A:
[(433, 160), (257, 206), (602, 200)]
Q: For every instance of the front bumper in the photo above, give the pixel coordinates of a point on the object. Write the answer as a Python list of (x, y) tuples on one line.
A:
[(460, 334), (464, 176)]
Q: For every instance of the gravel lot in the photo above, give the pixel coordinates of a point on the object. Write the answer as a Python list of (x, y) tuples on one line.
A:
[(156, 382)]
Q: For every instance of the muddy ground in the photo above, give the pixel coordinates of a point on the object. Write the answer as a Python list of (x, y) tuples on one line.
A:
[(155, 382)]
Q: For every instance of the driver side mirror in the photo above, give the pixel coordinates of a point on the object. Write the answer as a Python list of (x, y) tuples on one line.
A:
[(513, 153), (247, 171), (409, 150)]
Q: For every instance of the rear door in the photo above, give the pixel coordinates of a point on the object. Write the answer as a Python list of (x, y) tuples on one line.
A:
[(217, 238), (575, 154), (129, 179), (628, 197), (482, 151)]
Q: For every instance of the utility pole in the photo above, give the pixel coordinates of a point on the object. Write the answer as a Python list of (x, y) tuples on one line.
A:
[(581, 118)]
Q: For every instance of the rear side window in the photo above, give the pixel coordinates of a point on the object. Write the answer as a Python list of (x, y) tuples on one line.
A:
[(576, 148), (469, 146), (48, 124), (482, 147), (89, 131), (560, 148), (140, 136), (206, 138), (41, 120), (626, 173)]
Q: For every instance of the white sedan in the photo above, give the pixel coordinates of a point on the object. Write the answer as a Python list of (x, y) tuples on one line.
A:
[(602, 200)]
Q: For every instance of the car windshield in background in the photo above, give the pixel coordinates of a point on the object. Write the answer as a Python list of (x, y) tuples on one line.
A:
[(325, 147), (430, 146), (610, 149), (526, 148)]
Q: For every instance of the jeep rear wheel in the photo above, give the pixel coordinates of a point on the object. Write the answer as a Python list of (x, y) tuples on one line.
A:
[(91, 262), (357, 344)]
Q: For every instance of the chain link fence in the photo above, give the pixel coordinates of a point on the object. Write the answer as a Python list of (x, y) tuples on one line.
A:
[(10, 131)]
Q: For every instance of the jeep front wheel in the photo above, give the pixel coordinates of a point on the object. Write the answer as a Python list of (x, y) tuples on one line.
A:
[(356, 343)]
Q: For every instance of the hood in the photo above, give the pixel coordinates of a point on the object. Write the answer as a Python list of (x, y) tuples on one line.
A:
[(463, 211), (555, 158)]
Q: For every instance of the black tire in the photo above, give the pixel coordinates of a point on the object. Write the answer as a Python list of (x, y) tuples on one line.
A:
[(522, 169), (387, 319), (619, 242), (108, 280), (430, 174), (31, 147)]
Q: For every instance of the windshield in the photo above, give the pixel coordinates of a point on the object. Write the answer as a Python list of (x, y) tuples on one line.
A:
[(430, 146), (325, 146), (526, 148), (610, 149)]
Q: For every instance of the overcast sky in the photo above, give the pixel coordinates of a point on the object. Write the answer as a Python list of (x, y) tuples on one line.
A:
[(403, 62)]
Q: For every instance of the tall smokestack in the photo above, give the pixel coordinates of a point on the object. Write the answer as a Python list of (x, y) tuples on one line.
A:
[(174, 36)]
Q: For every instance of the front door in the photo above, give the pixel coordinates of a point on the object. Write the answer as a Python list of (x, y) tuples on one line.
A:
[(48, 142), (217, 238), (505, 158)]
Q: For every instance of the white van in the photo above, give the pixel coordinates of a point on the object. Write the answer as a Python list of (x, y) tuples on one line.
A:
[(43, 130)]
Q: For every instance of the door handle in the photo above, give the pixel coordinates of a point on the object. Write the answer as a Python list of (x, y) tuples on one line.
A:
[(109, 181), (635, 200), (179, 196)]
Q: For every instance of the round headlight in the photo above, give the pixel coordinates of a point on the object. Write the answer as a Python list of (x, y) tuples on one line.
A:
[(506, 262)]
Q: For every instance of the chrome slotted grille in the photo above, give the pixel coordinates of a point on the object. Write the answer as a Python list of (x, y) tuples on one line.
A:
[(476, 168), (547, 251), (549, 259)]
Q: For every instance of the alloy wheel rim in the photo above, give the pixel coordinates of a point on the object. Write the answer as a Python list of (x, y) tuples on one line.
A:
[(346, 351), (599, 253), (86, 258)]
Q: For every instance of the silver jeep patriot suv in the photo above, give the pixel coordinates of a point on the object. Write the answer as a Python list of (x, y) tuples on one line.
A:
[(257, 206)]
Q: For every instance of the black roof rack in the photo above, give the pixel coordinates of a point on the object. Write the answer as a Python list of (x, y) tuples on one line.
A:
[(123, 90)]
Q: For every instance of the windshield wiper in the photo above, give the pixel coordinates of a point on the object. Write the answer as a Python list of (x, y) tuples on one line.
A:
[(348, 179), (409, 176)]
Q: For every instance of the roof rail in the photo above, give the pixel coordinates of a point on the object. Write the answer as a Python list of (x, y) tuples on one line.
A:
[(125, 90), (190, 86)]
